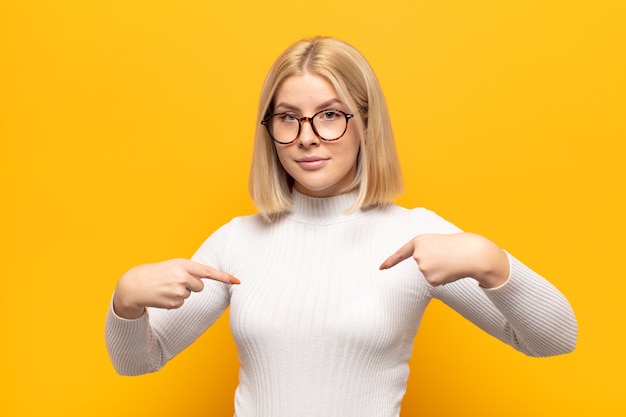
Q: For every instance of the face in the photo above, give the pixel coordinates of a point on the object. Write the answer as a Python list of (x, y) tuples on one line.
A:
[(319, 168)]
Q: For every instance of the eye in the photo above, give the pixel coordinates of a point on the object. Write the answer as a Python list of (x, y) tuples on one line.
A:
[(287, 117), (330, 115)]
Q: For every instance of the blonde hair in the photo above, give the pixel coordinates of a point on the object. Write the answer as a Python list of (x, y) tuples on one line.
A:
[(378, 178)]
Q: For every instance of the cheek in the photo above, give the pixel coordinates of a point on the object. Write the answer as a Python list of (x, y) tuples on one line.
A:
[(282, 158), (353, 149)]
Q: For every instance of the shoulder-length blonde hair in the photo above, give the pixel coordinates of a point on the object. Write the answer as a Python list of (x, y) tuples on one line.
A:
[(378, 177)]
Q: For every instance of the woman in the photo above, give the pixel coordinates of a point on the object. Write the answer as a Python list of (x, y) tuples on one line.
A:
[(322, 327)]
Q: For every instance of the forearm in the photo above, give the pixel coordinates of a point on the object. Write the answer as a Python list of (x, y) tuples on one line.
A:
[(132, 346), (526, 311), (540, 318)]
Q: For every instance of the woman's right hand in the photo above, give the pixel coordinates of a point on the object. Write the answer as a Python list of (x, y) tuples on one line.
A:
[(165, 285)]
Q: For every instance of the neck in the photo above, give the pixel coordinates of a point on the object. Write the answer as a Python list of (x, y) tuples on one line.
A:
[(323, 210)]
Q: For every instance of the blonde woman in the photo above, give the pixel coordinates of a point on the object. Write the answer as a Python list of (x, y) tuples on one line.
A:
[(323, 309)]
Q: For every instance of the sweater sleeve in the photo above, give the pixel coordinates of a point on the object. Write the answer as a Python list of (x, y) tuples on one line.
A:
[(526, 312), (145, 344)]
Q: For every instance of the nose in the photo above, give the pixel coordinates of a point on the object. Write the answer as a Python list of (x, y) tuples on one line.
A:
[(307, 135)]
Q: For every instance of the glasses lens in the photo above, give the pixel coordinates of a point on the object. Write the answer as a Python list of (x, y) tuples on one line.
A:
[(330, 124), (283, 127)]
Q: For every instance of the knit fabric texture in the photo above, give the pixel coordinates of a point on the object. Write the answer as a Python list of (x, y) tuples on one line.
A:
[(320, 330)]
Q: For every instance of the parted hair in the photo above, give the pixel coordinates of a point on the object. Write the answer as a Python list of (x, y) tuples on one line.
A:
[(378, 178)]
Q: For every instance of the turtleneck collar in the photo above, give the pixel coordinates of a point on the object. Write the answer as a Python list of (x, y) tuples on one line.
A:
[(323, 211)]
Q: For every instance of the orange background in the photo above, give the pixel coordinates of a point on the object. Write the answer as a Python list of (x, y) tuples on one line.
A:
[(126, 130)]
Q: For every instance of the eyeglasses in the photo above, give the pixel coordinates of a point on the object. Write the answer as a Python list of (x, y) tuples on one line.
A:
[(328, 125)]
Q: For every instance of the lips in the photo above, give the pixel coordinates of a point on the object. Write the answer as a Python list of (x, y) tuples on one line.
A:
[(312, 162)]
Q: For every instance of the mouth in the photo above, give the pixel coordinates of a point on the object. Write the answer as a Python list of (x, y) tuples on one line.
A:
[(312, 162)]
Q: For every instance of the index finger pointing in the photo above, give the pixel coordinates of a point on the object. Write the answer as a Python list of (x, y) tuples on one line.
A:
[(199, 270), (405, 252)]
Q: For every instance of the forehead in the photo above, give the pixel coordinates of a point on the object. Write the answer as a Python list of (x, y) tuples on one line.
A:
[(305, 90)]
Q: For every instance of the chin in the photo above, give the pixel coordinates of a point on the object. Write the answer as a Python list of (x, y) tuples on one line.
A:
[(319, 191)]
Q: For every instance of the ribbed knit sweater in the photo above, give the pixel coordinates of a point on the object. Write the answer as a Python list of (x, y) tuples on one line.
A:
[(320, 330)]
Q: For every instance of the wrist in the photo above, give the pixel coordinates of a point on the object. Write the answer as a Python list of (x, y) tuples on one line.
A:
[(495, 268), (127, 311), (492, 279), (123, 305)]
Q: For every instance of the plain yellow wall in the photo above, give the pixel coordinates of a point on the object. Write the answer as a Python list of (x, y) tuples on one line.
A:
[(126, 129)]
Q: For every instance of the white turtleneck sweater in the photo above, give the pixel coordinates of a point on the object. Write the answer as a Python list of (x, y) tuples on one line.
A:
[(320, 330)]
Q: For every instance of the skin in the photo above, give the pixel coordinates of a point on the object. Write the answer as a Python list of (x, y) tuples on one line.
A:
[(441, 258), (447, 258), (165, 285), (319, 169)]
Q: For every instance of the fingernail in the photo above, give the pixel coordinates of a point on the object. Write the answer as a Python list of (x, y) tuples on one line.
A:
[(234, 280)]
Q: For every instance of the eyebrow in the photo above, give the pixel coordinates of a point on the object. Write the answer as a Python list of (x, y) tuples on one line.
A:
[(296, 109)]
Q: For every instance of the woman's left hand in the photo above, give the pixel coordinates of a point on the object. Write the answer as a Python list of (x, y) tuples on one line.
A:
[(447, 258)]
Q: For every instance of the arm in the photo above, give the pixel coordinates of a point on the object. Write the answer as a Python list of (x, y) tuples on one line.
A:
[(502, 296), (526, 312), (145, 344), (160, 309)]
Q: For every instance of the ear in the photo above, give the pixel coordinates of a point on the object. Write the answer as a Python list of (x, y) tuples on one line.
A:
[(364, 121)]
